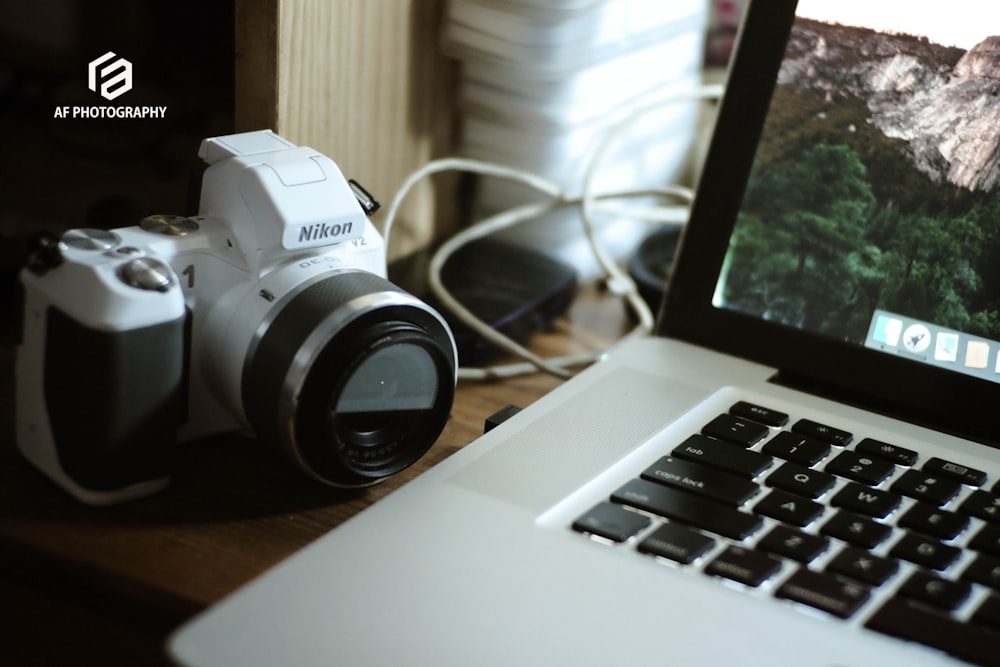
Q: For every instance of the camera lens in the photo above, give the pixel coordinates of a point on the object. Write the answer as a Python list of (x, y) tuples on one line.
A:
[(353, 377), (388, 391)]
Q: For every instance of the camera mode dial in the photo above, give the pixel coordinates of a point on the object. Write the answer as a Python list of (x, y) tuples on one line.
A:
[(169, 225), (90, 239)]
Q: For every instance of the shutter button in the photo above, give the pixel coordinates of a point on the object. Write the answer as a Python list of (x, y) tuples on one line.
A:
[(146, 273)]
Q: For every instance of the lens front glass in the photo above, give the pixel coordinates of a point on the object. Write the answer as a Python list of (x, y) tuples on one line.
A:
[(385, 401), (401, 377)]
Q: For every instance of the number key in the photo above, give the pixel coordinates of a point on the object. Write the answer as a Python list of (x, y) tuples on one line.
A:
[(860, 468), (834, 436), (883, 450), (929, 488), (797, 448)]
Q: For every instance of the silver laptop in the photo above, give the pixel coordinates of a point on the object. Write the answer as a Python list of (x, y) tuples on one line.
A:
[(799, 469)]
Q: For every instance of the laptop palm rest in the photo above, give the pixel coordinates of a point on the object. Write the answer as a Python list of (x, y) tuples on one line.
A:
[(542, 461)]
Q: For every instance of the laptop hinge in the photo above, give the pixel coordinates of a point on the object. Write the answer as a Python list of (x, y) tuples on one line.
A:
[(948, 424)]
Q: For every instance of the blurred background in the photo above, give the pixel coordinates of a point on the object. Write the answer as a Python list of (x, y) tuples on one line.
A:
[(382, 86)]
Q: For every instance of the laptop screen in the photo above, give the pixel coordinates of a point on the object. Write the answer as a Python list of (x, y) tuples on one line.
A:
[(847, 225), (871, 213)]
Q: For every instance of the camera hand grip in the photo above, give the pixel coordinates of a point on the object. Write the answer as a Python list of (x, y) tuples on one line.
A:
[(115, 400)]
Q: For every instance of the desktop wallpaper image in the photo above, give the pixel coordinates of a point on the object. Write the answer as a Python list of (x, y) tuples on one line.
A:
[(876, 186)]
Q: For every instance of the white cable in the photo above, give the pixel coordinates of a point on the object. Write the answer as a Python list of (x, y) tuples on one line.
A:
[(485, 228), (589, 202), (550, 188), (675, 215), (558, 366), (618, 280)]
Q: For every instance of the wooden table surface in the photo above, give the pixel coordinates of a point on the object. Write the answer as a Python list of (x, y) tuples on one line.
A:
[(87, 585)]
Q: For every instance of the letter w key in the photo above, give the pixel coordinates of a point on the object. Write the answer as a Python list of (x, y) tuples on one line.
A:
[(866, 500)]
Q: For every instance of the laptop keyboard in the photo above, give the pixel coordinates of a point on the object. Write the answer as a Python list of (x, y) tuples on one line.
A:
[(851, 526)]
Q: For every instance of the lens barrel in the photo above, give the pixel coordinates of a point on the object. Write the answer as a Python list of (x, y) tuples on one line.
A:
[(353, 377)]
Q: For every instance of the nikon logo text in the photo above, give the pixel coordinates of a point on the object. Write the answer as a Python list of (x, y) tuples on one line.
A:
[(324, 232), (114, 76), (314, 234)]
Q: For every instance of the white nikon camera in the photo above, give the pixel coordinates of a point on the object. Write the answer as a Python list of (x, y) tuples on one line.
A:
[(269, 312)]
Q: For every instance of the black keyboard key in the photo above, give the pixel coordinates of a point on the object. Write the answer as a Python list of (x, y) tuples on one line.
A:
[(722, 455), (759, 413), (863, 565), (744, 565), (914, 622), (856, 529), (676, 542), (926, 487), (987, 540), (786, 541), (797, 448), (925, 551), (983, 570), (612, 522), (932, 589), (702, 480), (955, 471), (801, 480), (933, 521), (825, 592), (988, 613), (687, 508), (789, 508), (892, 453), (860, 468), (833, 436), (866, 500), (982, 505), (737, 430)]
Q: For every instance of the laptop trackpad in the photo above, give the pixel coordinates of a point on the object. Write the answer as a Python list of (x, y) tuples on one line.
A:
[(544, 460)]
